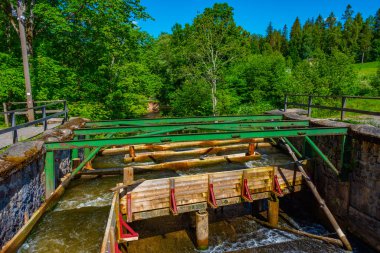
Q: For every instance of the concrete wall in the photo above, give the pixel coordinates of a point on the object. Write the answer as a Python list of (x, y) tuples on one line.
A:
[(22, 178), (354, 197)]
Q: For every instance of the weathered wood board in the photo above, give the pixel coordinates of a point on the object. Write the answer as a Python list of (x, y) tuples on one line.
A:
[(152, 197)]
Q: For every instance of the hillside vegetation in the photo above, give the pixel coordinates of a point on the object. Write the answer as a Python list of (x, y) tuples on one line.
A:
[(107, 68)]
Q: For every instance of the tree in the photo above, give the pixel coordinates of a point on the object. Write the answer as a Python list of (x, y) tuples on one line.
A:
[(365, 38), (216, 42), (295, 44)]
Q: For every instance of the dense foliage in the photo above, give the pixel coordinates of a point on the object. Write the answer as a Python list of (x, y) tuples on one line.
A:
[(94, 55)]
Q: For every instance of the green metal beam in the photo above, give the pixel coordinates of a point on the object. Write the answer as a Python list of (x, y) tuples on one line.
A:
[(198, 137), (49, 174), (182, 120), (320, 153), (219, 126), (292, 147)]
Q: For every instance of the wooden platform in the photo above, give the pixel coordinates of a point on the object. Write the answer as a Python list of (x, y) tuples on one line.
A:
[(152, 197)]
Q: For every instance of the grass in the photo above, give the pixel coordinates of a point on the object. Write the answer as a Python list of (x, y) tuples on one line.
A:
[(367, 69)]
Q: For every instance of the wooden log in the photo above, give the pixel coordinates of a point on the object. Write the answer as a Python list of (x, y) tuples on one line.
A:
[(320, 200), (128, 176), (201, 224), (298, 232), (177, 145), (273, 211), (187, 164), (160, 155)]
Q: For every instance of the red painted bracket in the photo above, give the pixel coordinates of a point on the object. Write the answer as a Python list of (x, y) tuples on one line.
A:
[(131, 234), (211, 196), (276, 187), (129, 207), (245, 194), (173, 204)]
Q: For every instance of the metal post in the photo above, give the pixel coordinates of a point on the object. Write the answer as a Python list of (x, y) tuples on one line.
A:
[(6, 119), (309, 106), (14, 133), (342, 112), (66, 111), (49, 174), (44, 117), (86, 150), (286, 103)]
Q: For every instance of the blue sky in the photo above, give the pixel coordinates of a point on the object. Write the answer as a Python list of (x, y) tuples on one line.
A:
[(253, 15)]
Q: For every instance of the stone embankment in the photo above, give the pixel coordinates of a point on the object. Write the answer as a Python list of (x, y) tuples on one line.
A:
[(354, 196), (22, 177)]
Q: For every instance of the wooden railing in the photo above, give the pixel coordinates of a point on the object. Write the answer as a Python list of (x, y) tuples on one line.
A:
[(343, 108), (42, 109)]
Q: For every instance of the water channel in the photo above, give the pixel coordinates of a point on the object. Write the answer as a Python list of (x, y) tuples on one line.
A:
[(78, 221)]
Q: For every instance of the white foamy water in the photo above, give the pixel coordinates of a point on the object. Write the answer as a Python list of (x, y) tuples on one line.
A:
[(86, 200), (258, 238)]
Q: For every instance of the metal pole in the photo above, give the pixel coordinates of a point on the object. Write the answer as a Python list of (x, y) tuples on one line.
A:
[(309, 106), (66, 111), (286, 103), (342, 112), (14, 135), (44, 117), (24, 50), (320, 153)]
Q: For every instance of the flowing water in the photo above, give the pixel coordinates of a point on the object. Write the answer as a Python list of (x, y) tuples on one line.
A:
[(78, 221)]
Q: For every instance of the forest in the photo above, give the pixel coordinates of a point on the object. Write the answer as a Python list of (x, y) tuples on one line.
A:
[(94, 55)]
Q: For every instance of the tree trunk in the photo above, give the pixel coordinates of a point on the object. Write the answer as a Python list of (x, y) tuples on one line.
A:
[(213, 95), (363, 57)]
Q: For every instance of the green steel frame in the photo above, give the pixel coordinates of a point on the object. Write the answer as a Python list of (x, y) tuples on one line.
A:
[(273, 133), (157, 131), (172, 127), (141, 122)]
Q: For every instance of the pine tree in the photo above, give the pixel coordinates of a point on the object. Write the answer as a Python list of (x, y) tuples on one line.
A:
[(365, 39), (295, 43)]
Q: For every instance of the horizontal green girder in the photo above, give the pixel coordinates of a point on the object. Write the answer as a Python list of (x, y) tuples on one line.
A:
[(182, 120), (220, 126), (275, 133)]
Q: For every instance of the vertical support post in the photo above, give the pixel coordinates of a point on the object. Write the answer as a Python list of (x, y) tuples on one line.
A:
[(286, 103), (6, 119), (132, 152), (75, 164), (273, 210), (127, 175), (342, 112), (201, 223), (44, 117), (251, 149), (49, 174), (74, 152), (13, 124), (66, 111), (24, 51), (86, 150), (309, 102)]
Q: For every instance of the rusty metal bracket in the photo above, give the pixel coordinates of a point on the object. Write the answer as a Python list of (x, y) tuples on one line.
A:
[(245, 194), (129, 207), (173, 204), (211, 200), (276, 187)]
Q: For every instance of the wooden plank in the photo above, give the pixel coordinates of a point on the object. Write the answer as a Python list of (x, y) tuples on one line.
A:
[(110, 227)]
